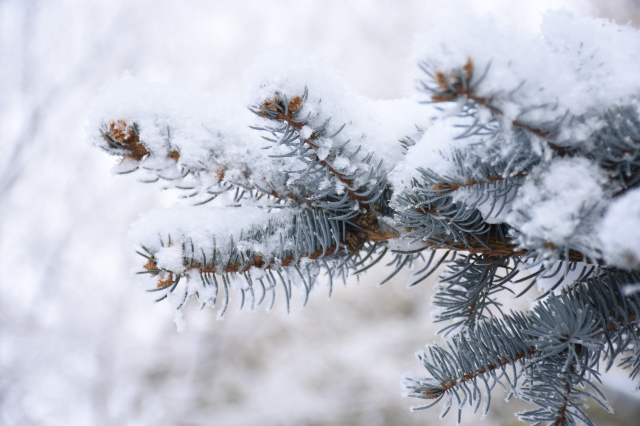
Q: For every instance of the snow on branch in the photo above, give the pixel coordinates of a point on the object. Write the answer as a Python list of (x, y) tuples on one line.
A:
[(248, 243), (522, 158)]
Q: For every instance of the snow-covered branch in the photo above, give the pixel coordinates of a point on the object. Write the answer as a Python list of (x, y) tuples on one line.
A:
[(525, 157)]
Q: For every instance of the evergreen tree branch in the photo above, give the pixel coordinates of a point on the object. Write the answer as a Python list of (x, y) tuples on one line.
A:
[(564, 334), (455, 84), (526, 184), (312, 252), (286, 111), (124, 141), (355, 240), (334, 178), (616, 144)]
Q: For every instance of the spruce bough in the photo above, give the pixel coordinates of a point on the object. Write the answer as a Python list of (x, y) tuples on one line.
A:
[(517, 163)]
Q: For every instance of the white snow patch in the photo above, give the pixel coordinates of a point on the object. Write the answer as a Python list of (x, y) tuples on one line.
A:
[(171, 258), (620, 230), (560, 202)]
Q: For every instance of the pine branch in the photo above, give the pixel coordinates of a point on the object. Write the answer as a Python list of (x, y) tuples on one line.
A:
[(616, 145), (284, 111), (246, 260), (466, 289), (563, 333), (356, 186), (473, 358), (124, 141), (455, 84), (355, 240)]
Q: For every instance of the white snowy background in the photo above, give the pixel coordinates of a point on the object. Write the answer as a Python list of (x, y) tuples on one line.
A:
[(80, 344)]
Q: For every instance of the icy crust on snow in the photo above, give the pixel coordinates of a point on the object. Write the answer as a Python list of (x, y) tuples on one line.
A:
[(374, 125), (211, 135), (560, 203), (209, 228), (619, 230), (573, 66)]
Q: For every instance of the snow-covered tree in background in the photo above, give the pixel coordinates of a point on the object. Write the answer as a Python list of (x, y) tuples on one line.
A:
[(517, 162)]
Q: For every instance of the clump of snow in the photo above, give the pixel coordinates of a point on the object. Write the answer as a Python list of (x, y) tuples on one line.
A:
[(559, 203), (375, 125), (171, 258), (619, 230), (433, 151), (305, 132), (631, 289), (323, 153), (207, 228), (343, 164), (210, 135), (256, 273), (324, 147)]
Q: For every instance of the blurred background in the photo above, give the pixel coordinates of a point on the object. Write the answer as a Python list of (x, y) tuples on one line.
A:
[(80, 343)]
